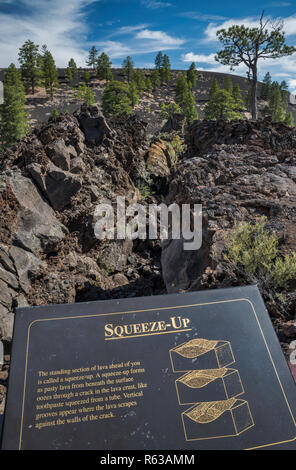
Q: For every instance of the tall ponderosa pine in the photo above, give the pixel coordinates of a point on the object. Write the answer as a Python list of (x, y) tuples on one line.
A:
[(50, 73), (72, 65), (158, 61), (237, 96), (133, 93), (128, 68), (181, 87), (192, 75), (155, 79), (214, 87), (86, 76), (13, 119), (149, 86), (266, 87), (165, 71), (31, 67), (74, 69), (92, 57), (227, 84), (276, 107), (285, 92), (249, 45), (222, 106), (189, 107), (104, 67), (139, 79), (69, 75), (116, 99), (185, 99)]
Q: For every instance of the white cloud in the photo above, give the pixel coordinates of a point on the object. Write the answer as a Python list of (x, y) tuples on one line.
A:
[(141, 41), (289, 26), (212, 28), (193, 15), (129, 29), (292, 85), (200, 58), (59, 24), (163, 38), (155, 5), (114, 49)]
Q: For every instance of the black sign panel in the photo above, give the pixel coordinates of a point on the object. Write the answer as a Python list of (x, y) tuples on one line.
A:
[(202, 370)]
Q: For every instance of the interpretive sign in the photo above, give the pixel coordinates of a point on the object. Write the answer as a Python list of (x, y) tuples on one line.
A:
[(202, 370)]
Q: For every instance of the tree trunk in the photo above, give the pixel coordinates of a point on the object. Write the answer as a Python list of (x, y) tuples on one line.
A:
[(254, 94)]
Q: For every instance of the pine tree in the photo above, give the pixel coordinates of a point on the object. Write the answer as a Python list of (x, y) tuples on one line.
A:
[(133, 93), (192, 75), (165, 71), (222, 106), (227, 84), (155, 79), (289, 119), (104, 67), (168, 110), (139, 79), (189, 107), (149, 86), (250, 45), (55, 113), (185, 99), (85, 94), (13, 119), (181, 88), (50, 73), (86, 76), (29, 59), (214, 87), (128, 68), (116, 99), (92, 57), (69, 75), (237, 96), (73, 67), (276, 108), (284, 86), (266, 87), (159, 61), (285, 92)]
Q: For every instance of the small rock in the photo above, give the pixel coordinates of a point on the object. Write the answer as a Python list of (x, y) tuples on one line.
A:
[(3, 375), (77, 165), (289, 329), (59, 154)]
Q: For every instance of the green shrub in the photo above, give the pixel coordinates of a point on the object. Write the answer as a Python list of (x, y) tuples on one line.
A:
[(284, 271), (177, 145), (55, 113), (254, 249)]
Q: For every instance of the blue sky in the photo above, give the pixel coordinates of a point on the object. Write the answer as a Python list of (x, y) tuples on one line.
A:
[(184, 29)]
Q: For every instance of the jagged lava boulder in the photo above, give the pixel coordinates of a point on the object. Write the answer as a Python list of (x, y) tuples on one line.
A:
[(50, 185), (249, 173)]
